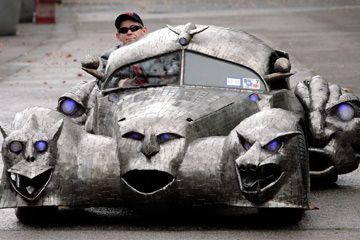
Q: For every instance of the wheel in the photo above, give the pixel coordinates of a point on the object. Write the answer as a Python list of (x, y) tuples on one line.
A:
[(324, 182), (31, 215), (288, 216), (332, 178)]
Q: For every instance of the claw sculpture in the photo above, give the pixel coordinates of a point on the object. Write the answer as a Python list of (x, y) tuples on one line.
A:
[(334, 124)]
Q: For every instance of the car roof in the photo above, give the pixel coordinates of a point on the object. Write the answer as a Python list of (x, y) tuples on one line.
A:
[(219, 42)]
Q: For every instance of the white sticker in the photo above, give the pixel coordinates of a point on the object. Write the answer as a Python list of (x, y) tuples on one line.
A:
[(251, 83), (233, 82)]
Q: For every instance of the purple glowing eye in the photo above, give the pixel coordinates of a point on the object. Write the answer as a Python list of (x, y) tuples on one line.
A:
[(41, 146), (68, 106), (16, 147), (254, 97), (164, 137), (246, 145), (183, 41), (273, 146), (114, 98), (134, 135), (345, 112)]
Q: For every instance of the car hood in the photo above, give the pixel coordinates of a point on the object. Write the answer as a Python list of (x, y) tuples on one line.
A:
[(189, 111)]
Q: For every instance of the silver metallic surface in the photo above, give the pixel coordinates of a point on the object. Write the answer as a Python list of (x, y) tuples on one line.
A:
[(272, 157), (186, 34), (164, 146), (301, 31), (90, 64), (84, 95), (240, 47), (79, 163), (188, 114), (334, 124)]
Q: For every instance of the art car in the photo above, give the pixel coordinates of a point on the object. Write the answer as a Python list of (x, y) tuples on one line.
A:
[(188, 116)]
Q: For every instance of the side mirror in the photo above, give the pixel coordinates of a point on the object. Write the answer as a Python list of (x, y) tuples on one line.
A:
[(90, 64), (279, 78)]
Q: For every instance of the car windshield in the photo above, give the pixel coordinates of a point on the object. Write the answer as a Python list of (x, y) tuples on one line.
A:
[(199, 70), (203, 70), (160, 70)]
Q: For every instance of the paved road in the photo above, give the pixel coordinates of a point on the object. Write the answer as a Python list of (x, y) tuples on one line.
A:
[(42, 62)]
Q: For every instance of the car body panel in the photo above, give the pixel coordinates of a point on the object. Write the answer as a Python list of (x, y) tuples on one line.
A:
[(169, 145)]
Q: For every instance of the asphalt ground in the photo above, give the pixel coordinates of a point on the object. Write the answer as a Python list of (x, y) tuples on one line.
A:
[(43, 61)]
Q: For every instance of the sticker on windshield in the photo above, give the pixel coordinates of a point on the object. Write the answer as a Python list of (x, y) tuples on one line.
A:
[(251, 83), (233, 82)]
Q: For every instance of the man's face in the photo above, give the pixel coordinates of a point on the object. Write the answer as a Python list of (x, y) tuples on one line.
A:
[(130, 36)]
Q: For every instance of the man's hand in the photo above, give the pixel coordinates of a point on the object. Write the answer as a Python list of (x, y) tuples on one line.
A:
[(127, 82)]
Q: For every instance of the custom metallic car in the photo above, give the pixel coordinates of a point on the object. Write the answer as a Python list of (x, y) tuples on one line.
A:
[(188, 116)]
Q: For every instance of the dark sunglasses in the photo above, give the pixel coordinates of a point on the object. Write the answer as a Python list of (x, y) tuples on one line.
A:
[(132, 28)]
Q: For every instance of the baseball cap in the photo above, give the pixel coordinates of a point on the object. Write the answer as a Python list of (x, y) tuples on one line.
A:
[(128, 16)]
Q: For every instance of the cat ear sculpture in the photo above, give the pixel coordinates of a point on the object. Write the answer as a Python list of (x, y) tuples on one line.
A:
[(268, 149), (29, 156), (334, 122)]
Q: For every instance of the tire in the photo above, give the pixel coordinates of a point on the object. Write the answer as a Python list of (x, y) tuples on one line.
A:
[(285, 216), (332, 178), (324, 182), (304, 160), (31, 215)]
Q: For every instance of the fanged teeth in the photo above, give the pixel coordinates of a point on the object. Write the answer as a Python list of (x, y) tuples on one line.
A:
[(13, 177), (30, 189)]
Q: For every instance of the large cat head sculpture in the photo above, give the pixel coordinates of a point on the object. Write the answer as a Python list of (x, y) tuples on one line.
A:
[(29, 155), (265, 150)]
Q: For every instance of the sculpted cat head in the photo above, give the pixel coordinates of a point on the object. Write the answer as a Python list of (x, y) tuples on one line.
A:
[(151, 150), (29, 155), (265, 153)]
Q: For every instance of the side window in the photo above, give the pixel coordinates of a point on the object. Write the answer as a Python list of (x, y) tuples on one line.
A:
[(160, 70)]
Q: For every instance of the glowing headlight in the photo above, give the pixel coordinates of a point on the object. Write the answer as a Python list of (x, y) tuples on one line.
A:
[(68, 107), (345, 112)]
